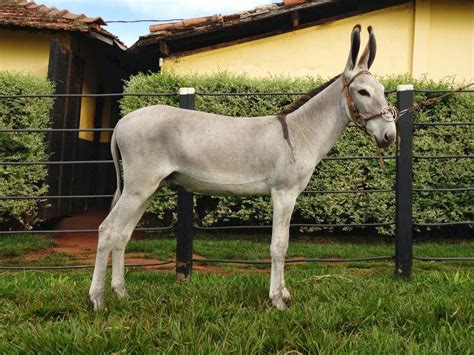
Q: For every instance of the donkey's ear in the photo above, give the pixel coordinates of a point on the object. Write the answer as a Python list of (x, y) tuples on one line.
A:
[(368, 56), (355, 45)]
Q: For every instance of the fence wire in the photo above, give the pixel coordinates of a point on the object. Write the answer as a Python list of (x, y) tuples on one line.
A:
[(172, 227), (243, 262)]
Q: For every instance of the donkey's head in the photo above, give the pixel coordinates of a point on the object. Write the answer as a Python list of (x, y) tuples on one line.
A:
[(363, 100)]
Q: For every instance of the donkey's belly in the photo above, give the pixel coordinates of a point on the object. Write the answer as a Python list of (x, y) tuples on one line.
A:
[(229, 186)]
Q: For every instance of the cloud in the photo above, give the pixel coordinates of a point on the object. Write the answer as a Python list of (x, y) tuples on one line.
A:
[(164, 9), (151, 9), (188, 8)]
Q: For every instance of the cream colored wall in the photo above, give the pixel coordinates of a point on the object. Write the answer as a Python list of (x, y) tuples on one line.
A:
[(409, 41), (105, 120), (87, 117), (451, 40), (94, 68), (27, 52), (88, 104), (319, 50)]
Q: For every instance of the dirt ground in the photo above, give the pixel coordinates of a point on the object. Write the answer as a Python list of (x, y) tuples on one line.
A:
[(80, 248)]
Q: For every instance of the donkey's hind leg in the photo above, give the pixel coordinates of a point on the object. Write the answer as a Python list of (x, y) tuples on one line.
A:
[(118, 251), (114, 234)]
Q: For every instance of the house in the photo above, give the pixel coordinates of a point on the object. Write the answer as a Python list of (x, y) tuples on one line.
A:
[(80, 56), (310, 37)]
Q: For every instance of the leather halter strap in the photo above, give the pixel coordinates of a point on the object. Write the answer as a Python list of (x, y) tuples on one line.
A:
[(355, 76), (389, 113)]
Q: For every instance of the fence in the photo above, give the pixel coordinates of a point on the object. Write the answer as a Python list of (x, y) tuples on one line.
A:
[(184, 228)]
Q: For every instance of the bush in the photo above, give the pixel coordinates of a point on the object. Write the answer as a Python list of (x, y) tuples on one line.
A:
[(330, 175), (22, 180)]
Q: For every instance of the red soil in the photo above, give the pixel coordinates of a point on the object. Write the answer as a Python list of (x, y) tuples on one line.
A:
[(82, 246)]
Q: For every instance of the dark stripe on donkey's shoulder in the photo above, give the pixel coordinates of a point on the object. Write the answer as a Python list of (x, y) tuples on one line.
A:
[(296, 105)]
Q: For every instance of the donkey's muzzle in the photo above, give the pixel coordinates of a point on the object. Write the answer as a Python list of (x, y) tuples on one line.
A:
[(387, 139)]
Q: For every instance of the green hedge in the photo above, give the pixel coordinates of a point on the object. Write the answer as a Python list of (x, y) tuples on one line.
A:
[(22, 180), (330, 175)]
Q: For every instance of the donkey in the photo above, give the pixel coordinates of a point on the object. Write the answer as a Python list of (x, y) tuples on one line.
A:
[(218, 155)]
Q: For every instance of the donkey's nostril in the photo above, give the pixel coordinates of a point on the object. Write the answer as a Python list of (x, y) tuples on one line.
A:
[(389, 136)]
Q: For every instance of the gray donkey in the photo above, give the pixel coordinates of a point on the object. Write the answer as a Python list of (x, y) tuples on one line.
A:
[(218, 155)]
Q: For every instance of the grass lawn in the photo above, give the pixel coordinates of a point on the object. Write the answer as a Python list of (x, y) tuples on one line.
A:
[(336, 308), (19, 245)]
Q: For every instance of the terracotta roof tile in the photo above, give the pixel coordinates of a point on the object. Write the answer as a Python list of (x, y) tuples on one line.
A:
[(214, 21), (21, 13), (188, 23), (293, 2)]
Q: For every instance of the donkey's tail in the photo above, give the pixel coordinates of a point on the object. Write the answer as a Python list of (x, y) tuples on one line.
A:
[(115, 156)]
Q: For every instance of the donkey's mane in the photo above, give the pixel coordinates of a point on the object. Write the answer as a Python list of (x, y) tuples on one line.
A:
[(306, 97)]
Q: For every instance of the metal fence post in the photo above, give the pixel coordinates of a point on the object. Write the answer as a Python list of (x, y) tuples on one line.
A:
[(184, 228), (403, 186)]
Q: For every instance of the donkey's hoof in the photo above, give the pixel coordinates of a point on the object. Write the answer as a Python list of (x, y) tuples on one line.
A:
[(121, 292), (279, 304), (97, 302), (285, 294)]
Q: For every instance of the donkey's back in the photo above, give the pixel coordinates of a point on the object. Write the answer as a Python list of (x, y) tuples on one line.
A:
[(204, 152)]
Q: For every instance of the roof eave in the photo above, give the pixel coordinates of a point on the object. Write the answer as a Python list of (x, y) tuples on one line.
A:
[(354, 8)]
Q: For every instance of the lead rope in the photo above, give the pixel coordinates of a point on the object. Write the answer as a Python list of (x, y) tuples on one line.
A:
[(382, 162), (425, 103), (388, 111), (433, 100)]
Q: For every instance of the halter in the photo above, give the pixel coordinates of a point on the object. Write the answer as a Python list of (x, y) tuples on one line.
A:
[(389, 113)]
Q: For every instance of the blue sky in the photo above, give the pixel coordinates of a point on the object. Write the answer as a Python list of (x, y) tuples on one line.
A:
[(150, 9)]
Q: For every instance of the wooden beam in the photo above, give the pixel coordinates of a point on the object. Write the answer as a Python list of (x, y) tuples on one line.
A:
[(295, 19), (164, 48)]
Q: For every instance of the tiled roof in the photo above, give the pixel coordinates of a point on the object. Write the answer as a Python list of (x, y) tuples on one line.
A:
[(27, 14), (191, 24), (206, 33)]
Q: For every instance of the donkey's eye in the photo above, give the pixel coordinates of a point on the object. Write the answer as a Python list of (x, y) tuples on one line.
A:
[(364, 92)]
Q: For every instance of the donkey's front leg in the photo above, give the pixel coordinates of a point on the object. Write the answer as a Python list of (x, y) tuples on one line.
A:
[(283, 204)]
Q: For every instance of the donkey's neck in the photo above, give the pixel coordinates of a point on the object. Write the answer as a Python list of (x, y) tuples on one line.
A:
[(321, 120)]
